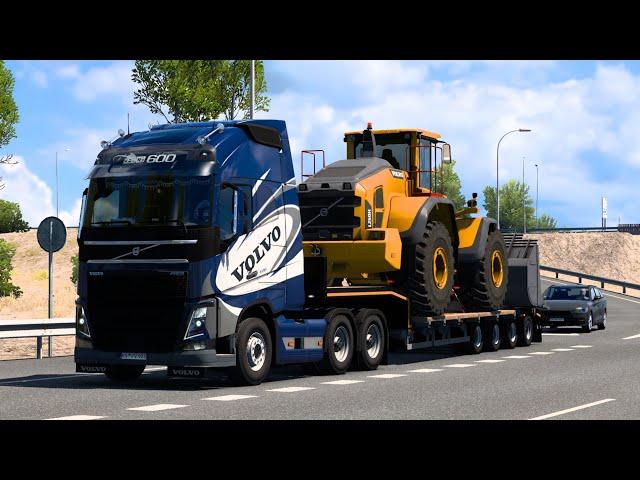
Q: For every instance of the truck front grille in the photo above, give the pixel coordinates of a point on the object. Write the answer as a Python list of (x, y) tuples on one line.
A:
[(138, 311)]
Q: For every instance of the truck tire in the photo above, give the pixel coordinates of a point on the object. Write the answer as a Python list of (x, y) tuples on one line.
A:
[(492, 337), (510, 335), (483, 283), (431, 283), (124, 373), (338, 346), (253, 353), (476, 340), (526, 332), (370, 339)]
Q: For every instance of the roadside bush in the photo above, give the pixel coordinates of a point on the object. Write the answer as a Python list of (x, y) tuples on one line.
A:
[(7, 251), (74, 269), (11, 218)]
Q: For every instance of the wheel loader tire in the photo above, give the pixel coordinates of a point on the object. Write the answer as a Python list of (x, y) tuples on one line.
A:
[(483, 283), (431, 283)]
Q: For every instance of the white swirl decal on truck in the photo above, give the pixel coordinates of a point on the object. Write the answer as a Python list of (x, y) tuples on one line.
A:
[(252, 261)]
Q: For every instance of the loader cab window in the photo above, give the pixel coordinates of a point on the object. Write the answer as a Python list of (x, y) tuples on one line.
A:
[(424, 150), (392, 147)]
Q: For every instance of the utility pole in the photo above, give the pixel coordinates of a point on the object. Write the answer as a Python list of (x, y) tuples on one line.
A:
[(253, 89), (537, 224), (524, 209)]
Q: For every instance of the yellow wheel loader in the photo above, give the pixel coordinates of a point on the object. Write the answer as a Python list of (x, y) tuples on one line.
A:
[(379, 218)]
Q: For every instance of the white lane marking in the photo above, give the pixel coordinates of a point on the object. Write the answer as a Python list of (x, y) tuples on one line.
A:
[(460, 365), (229, 398), (387, 375), (569, 410), (425, 370), (563, 334), (157, 408), (581, 346), (517, 356), (342, 382), (78, 417), (489, 361), (291, 389), (632, 337), (541, 353), (562, 349)]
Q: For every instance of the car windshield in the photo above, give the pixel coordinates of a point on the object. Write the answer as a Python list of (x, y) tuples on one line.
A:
[(143, 201), (568, 293)]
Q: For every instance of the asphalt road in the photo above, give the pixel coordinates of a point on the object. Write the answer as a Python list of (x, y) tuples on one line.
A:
[(570, 375)]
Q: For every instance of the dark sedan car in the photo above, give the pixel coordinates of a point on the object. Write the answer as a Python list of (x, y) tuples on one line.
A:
[(584, 306)]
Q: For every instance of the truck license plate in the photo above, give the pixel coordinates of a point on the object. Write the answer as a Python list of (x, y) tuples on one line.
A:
[(557, 319), (133, 356)]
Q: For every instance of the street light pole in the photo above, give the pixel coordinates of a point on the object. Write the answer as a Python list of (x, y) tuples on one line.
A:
[(537, 224), (253, 88), (524, 207), (497, 170)]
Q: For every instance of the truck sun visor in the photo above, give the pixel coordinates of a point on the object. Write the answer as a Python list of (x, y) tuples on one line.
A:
[(261, 134)]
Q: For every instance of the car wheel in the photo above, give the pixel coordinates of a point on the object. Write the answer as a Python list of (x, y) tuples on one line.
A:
[(603, 324), (586, 328)]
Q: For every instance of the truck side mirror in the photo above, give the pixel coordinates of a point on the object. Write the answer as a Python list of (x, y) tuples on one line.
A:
[(446, 153)]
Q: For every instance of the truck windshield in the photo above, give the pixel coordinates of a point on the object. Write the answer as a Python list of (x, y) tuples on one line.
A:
[(144, 201)]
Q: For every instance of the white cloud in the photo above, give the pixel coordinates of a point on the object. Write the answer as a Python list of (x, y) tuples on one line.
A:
[(111, 80), (33, 195)]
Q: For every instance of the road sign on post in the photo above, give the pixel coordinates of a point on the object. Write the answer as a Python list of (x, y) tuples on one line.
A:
[(52, 236)]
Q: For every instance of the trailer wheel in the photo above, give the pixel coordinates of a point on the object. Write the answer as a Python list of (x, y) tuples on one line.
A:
[(338, 346), (476, 340), (253, 353), (526, 332), (510, 335), (124, 373), (493, 337), (430, 285), (483, 283), (370, 339)]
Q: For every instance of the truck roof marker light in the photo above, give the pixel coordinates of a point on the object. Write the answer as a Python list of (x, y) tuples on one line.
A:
[(120, 132), (104, 144), (369, 125), (202, 139)]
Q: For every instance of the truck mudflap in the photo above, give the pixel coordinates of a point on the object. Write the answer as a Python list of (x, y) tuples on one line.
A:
[(94, 361)]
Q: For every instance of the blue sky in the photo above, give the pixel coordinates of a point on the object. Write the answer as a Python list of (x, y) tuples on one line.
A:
[(585, 118)]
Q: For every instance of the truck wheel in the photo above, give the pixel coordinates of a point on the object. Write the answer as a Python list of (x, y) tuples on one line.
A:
[(338, 346), (526, 332), (371, 339), (586, 328), (483, 283), (493, 337), (476, 340), (124, 373), (430, 285), (253, 353), (510, 335)]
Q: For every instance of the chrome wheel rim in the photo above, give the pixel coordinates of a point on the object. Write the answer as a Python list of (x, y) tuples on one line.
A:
[(373, 340), (528, 331), (513, 332), (477, 336), (256, 351), (496, 334), (341, 343), (590, 322), (604, 319)]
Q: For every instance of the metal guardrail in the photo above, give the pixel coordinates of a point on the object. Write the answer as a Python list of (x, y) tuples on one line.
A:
[(45, 327), (602, 280)]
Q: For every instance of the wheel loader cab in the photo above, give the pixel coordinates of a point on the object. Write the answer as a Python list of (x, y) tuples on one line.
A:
[(411, 150)]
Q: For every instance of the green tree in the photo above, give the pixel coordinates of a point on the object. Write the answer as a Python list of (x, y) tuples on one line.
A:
[(511, 206), (8, 113), (11, 218), (198, 90), (74, 269), (452, 187), (545, 221), (7, 251)]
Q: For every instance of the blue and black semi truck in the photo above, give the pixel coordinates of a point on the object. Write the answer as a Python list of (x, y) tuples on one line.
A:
[(198, 249)]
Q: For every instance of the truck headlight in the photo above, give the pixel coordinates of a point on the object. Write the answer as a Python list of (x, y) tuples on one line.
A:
[(82, 325), (197, 324), (581, 309)]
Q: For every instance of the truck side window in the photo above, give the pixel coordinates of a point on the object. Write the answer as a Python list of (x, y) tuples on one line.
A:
[(227, 210)]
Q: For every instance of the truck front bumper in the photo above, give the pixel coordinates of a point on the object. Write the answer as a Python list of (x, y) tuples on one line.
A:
[(187, 358)]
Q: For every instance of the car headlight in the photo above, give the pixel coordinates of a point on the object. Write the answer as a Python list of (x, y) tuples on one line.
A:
[(82, 325), (581, 309), (197, 324)]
